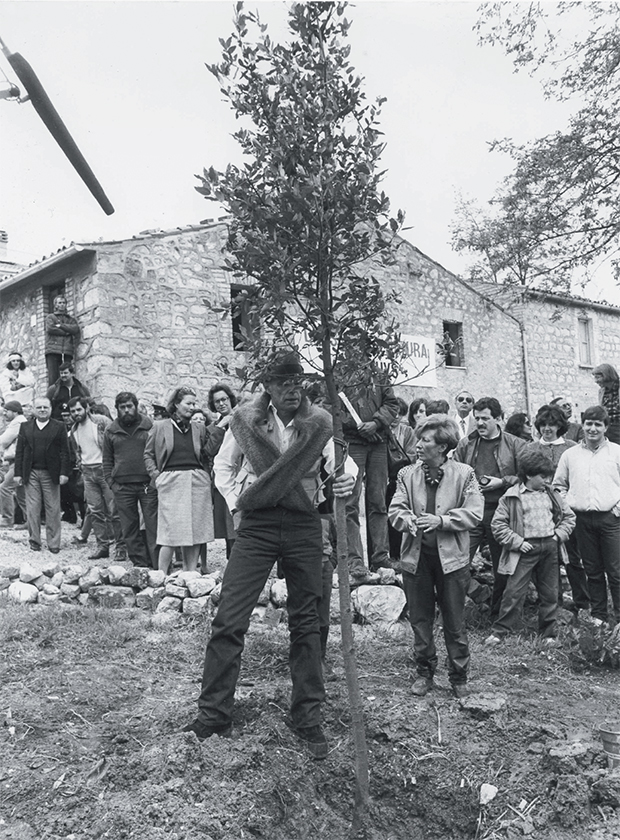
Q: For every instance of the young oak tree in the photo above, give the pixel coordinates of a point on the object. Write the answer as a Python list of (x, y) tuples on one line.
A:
[(309, 228), (558, 214)]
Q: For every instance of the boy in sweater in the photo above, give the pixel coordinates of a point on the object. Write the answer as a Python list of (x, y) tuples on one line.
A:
[(531, 519)]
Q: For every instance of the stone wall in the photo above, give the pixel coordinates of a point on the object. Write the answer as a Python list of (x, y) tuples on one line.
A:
[(430, 295), (24, 307), (144, 308), (146, 320), (552, 339)]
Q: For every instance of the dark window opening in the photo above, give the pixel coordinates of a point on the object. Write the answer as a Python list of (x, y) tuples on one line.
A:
[(453, 351), (53, 292), (244, 316)]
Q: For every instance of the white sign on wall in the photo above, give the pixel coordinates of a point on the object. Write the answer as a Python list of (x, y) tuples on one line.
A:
[(419, 365)]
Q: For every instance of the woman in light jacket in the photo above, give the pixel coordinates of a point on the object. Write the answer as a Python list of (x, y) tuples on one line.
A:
[(175, 460), (437, 501)]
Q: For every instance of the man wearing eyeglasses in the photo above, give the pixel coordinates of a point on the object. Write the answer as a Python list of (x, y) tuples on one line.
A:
[(269, 471), (464, 416), (574, 431)]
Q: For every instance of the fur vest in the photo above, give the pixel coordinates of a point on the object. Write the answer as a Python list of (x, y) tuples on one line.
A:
[(279, 474)]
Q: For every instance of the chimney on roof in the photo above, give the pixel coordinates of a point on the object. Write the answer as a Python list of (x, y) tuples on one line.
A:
[(4, 241)]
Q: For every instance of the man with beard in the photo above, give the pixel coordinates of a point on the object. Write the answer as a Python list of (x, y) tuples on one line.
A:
[(125, 473), (88, 432)]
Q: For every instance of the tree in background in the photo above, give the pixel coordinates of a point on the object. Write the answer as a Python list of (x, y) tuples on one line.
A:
[(309, 226), (558, 214)]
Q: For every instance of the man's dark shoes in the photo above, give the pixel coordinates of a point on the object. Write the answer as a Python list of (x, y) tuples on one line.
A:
[(421, 686), (34, 546), (460, 691), (205, 730), (313, 738), (54, 550), (79, 541), (102, 552)]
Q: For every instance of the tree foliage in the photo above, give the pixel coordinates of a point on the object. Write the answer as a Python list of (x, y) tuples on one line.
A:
[(309, 228), (559, 210), (309, 224)]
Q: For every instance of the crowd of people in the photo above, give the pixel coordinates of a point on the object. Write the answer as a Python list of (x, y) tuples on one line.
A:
[(438, 484)]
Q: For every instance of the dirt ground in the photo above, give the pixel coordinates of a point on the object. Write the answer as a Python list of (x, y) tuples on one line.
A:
[(93, 702)]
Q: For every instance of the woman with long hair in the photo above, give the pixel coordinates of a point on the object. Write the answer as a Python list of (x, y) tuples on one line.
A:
[(16, 381), (417, 411), (176, 459)]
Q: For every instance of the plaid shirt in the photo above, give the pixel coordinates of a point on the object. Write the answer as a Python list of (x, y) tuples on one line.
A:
[(611, 401)]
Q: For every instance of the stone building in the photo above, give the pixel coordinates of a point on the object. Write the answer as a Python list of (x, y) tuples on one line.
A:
[(151, 316)]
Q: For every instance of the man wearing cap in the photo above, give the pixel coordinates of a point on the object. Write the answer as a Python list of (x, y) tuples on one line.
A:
[(14, 416), (42, 465), (268, 470)]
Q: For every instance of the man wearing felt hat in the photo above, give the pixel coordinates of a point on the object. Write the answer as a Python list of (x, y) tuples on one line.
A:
[(17, 381), (268, 470)]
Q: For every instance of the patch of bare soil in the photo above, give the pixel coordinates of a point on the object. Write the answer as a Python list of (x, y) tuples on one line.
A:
[(93, 702)]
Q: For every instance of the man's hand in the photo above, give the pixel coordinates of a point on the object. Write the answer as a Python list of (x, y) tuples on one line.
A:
[(63, 479), (368, 429), (525, 547), (429, 522), (343, 485), (492, 484), (18, 480)]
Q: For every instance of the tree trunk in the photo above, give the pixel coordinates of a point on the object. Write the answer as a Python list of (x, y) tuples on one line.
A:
[(362, 795)]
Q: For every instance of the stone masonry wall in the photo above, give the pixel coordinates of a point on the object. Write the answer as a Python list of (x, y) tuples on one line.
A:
[(145, 316), (23, 311), (429, 295), (552, 337)]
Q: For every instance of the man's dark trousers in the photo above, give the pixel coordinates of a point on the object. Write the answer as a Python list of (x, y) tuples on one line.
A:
[(598, 536), (127, 497), (263, 537), (372, 462)]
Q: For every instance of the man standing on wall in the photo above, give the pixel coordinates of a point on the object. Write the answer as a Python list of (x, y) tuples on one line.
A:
[(376, 407), (494, 455), (42, 465), (65, 388), (125, 473), (88, 432), (62, 334)]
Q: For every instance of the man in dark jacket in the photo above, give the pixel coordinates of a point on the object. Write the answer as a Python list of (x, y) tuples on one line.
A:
[(64, 389), (494, 455), (376, 407), (125, 473), (42, 465), (62, 334)]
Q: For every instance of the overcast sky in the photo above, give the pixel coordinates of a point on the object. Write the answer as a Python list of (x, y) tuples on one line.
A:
[(130, 82)]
